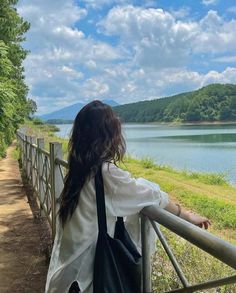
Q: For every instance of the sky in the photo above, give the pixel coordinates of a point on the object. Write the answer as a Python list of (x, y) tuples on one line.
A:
[(125, 50)]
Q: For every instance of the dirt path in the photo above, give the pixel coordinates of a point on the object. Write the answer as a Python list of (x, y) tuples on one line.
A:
[(23, 264)]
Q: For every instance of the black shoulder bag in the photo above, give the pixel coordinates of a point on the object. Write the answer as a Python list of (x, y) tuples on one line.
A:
[(117, 267)]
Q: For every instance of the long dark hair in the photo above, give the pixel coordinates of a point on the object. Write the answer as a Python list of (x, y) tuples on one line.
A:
[(96, 138)]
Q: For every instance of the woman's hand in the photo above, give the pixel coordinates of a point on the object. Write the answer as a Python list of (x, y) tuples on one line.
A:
[(191, 217), (198, 220)]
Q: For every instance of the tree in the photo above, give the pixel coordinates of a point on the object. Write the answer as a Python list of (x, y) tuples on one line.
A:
[(211, 103), (31, 107), (13, 90)]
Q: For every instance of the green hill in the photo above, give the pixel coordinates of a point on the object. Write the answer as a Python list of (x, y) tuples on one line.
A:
[(215, 102)]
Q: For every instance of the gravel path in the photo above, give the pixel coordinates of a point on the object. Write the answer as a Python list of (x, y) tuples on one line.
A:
[(23, 261)]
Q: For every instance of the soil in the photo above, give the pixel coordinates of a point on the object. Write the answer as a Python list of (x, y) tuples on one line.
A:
[(25, 238)]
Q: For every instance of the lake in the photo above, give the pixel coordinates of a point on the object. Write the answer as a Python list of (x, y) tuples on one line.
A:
[(207, 148)]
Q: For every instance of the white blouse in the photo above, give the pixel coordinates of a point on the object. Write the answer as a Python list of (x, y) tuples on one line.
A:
[(74, 246)]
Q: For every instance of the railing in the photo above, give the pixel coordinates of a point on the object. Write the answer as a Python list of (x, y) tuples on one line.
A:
[(45, 172)]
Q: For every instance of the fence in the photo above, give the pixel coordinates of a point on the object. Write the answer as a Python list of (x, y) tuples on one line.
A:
[(45, 173)]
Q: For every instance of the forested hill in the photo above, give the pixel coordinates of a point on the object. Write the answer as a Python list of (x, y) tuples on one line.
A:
[(215, 102)]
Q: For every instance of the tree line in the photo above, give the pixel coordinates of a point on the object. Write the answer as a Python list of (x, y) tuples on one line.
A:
[(14, 105), (215, 102)]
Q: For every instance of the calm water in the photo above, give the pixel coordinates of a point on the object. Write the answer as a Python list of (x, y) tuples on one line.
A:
[(210, 148)]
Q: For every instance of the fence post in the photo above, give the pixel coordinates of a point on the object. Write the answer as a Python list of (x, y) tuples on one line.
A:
[(56, 180), (27, 152), (40, 146), (146, 255), (22, 150), (33, 159)]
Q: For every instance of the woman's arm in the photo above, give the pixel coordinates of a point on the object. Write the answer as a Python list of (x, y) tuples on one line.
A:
[(188, 216)]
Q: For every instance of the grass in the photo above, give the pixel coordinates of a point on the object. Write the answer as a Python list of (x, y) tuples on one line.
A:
[(197, 266), (202, 193), (48, 132), (16, 154), (208, 178), (208, 194)]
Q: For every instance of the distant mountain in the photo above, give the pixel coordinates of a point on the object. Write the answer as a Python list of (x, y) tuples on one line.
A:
[(215, 102), (70, 112)]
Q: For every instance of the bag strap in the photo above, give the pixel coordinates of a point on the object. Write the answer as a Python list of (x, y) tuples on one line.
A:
[(100, 200)]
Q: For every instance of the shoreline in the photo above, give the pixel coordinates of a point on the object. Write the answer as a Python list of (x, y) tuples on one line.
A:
[(186, 123), (168, 166), (173, 123)]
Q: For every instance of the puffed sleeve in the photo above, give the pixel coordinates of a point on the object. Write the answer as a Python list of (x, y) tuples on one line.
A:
[(129, 195)]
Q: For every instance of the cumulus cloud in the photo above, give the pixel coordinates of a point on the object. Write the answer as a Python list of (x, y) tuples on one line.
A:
[(153, 35), (215, 35), (157, 39), (150, 57), (59, 50)]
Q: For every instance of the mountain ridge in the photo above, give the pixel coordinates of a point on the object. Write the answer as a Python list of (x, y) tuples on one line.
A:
[(70, 112), (214, 102)]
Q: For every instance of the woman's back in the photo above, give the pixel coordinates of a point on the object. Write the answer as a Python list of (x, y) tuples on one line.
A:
[(97, 141), (74, 248)]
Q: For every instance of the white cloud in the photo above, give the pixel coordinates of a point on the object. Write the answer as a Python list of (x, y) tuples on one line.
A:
[(227, 76), (157, 39), (98, 4), (59, 50), (225, 59), (94, 88), (150, 59), (215, 35), (209, 2), (181, 13), (153, 36)]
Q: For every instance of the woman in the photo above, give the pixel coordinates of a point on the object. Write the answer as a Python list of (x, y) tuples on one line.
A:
[(97, 140)]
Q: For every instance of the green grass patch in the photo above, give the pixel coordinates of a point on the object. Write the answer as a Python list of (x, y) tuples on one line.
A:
[(208, 178), (195, 191), (197, 266), (48, 132), (16, 154), (220, 212)]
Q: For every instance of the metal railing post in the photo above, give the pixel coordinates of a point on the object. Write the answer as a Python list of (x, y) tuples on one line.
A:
[(49, 189), (40, 145), (146, 259), (56, 180)]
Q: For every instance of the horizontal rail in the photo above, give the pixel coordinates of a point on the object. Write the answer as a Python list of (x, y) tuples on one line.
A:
[(61, 162), (213, 245), (206, 285), (44, 152), (48, 189)]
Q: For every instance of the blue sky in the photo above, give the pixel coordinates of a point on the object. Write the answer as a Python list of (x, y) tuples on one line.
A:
[(126, 50)]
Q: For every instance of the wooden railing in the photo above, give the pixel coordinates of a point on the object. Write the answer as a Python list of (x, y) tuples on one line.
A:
[(45, 171)]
